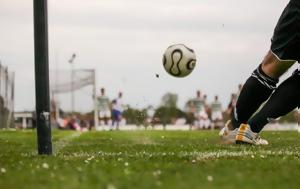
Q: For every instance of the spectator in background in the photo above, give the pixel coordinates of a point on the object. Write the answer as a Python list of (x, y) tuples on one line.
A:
[(190, 113), (205, 98), (205, 122), (216, 111), (69, 123), (103, 107), (231, 105), (117, 108), (199, 106)]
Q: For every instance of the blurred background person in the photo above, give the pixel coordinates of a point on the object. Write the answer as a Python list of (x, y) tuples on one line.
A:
[(216, 112), (103, 107), (231, 105), (117, 108), (199, 106)]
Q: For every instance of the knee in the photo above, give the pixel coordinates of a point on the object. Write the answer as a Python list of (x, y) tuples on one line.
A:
[(274, 67)]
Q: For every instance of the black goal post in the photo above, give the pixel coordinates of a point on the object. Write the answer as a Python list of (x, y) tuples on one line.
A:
[(42, 95)]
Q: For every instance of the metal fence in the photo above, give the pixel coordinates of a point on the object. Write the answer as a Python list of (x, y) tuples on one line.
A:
[(7, 83)]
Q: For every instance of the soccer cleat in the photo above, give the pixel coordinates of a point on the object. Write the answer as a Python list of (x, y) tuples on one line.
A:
[(246, 136), (227, 136)]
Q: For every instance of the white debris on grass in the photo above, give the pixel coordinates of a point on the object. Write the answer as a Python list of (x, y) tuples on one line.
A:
[(156, 173), (210, 178), (111, 186), (197, 155), (120, 159), (90, 158), (45, 165), (3, 170)]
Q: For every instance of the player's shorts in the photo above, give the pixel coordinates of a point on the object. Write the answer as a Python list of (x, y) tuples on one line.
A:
[(116, 115), (204, 124), (216, 115), (286, 38), (201, 115), (104, 114)]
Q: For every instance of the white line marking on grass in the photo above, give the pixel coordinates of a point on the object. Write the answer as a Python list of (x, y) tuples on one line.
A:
[(63, 142), (198, 155)]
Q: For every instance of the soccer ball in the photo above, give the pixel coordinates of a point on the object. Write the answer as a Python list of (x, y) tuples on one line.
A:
[(179, 60)]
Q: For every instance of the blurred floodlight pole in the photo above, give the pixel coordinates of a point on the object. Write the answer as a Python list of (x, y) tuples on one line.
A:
[(71, 61), (42, 77)]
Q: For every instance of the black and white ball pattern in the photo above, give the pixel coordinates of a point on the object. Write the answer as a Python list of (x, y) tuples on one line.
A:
[(179, 60)]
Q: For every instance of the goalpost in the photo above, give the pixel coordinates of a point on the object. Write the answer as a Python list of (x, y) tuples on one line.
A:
[(42, 95), (42, 92)]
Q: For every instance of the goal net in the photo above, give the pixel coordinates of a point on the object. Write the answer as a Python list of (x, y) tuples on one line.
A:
[(69, 81)]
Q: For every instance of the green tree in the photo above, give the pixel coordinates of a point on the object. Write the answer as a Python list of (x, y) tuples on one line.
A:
[(169, 100), (168, 111), (134, 116)]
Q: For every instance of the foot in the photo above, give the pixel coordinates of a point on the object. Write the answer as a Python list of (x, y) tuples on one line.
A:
[(228, 135), (246, 136)]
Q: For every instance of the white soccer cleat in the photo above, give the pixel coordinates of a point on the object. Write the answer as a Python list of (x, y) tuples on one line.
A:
[(227, 136), (246, 136)]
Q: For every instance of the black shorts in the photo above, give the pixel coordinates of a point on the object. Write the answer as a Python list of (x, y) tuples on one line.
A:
[(286, 38)]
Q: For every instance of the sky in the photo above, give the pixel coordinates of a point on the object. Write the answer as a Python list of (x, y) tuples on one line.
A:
[(124, 40)]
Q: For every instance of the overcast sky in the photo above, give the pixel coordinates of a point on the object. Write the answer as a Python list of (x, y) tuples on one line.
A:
[(124, 41)]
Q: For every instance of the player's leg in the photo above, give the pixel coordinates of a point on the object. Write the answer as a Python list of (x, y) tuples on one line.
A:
[(114, 119), (213, 119), (119, 118), (197, 120), (207, 123), (259, 87), (100, 118), (219, 119), (285, 99), (201, 124), (107, 117), (283, 54)]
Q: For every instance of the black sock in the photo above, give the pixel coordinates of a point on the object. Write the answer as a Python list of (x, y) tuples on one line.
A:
[(285, 99), (256, 90)]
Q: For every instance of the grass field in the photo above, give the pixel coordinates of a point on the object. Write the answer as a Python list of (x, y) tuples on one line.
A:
[(148, 159)]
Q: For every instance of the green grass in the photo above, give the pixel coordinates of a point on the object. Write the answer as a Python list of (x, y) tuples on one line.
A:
[(148, 159)]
